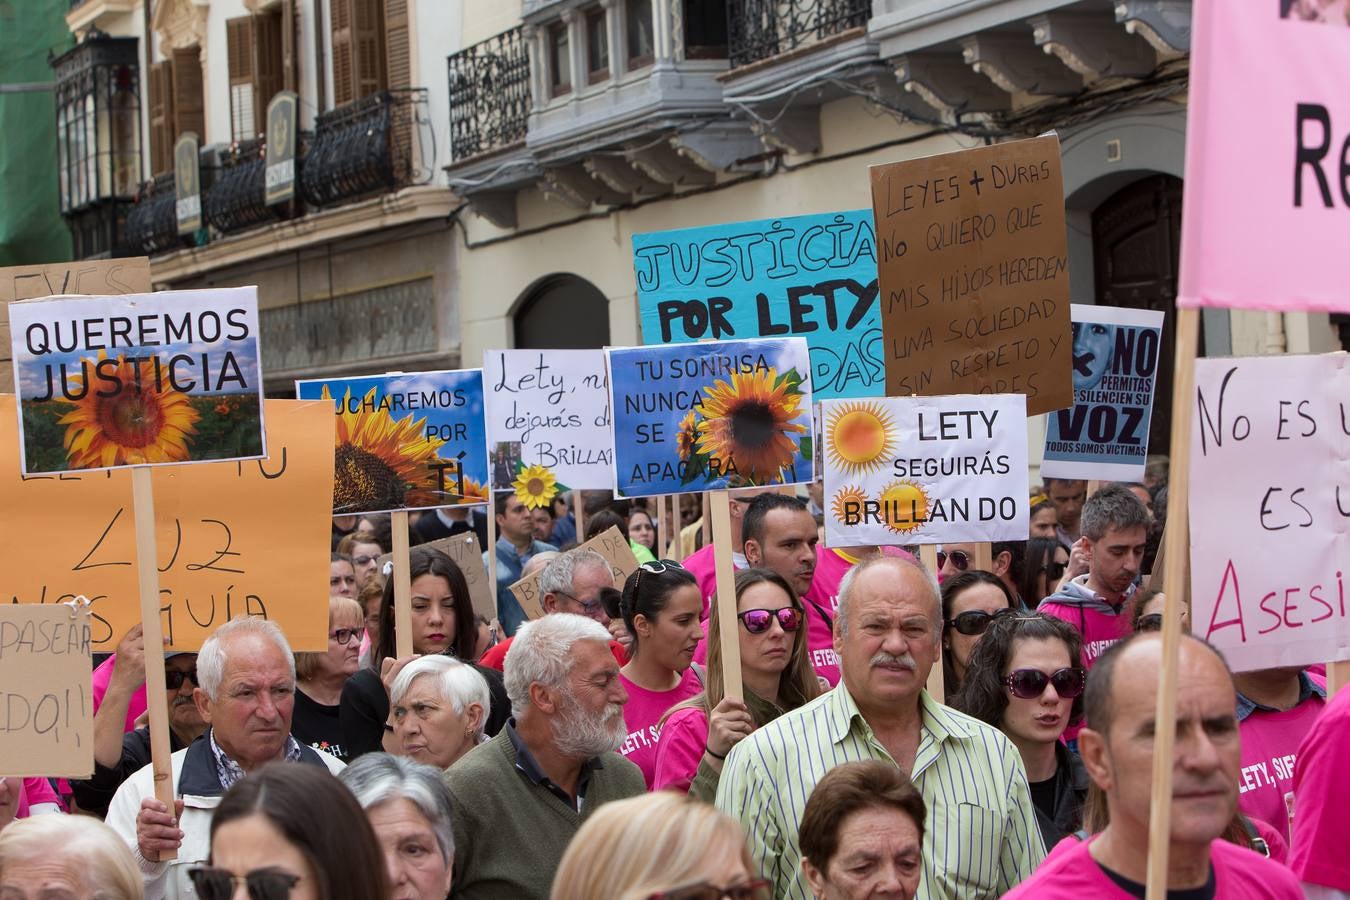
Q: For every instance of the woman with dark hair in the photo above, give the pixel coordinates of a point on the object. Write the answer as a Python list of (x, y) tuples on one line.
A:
[(642, 528), (1026, 680), (970, 601), (276, 832), (660, 606), (442, 622), (776, 676), (1046, 559)]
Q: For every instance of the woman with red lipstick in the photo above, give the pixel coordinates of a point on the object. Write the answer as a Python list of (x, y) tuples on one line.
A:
[(776, 676), (660, 606), (1025, 678)]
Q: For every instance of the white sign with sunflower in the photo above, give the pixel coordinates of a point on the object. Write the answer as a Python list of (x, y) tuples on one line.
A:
[(925, 470)]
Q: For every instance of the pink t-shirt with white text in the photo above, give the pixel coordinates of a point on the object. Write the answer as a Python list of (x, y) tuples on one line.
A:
[(642, 713), (1270, 743), (683, 739), (1317, 851)]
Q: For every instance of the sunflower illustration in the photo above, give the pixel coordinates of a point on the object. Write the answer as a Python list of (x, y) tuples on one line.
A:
[(847, 506), (687, 436), (860, 437), (535, 486), (747, 422), (475, 490), (141, 423), (378, 459), (904, 506)]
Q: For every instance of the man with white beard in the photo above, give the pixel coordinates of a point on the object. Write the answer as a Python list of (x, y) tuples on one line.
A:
[(520, 797)]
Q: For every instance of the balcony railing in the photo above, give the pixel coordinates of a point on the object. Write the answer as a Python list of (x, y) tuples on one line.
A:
[(152, 224), (761, 29), (365, 147), (236, 199), (489, 95)]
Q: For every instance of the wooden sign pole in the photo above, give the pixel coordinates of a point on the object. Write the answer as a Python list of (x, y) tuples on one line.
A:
[(147, 568), (398, 527), (984, 557), (937, 687), (1338, 676), (728, 624), (579, 512), (707, 519)]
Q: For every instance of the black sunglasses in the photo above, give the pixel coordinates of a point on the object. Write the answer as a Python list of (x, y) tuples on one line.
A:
[(263, 884), (758, 621), (960, 559), (1149, 622), (976, 621), (1029, 684), (173, 679)]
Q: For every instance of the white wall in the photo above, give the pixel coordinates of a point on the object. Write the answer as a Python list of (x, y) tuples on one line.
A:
[(436, 30)]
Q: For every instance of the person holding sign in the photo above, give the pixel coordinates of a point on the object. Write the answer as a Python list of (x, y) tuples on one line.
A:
[(515, 546)]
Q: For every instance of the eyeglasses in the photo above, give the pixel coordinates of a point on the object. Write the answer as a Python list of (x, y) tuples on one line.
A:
[(749, 890), (1149, 622), (960, 559), (976, 621), (344, 636), (263, 884), (173, 679), (591, 609), (758, 621), (364, 560), (1028, 684)]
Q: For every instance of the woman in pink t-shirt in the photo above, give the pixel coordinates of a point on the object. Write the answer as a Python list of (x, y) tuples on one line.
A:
[(776, 676), (660, 607)]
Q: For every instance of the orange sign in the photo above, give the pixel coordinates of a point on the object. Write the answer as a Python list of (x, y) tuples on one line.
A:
[(233, 538)]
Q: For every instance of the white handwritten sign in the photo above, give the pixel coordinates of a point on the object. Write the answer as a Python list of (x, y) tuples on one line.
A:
[(46, 712)]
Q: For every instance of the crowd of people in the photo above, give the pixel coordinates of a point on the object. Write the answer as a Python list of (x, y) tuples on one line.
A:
[(598, 751)]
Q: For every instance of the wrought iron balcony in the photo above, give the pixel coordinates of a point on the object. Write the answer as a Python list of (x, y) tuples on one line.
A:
[(236, 199), (152, 224), (365, 147), (489, 95), (762, 29)]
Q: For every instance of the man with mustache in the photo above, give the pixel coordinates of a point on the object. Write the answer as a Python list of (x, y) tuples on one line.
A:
[(981, 836), (519, 798), (1117, 749)]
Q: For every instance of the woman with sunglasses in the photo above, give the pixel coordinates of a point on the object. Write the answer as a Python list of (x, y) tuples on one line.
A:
[(1149, 604), (776, 676), (320, 677), (660, 606), (289, 832), (970, 601), (1046, 560), (1026, 680)]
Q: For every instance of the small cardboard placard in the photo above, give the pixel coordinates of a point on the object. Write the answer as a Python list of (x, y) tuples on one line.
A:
[(608, 543), (464, 550), (46, 710)]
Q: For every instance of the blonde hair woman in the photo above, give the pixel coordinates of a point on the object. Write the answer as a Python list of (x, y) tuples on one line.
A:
[(76, 856), (662, 845), (319, 678)]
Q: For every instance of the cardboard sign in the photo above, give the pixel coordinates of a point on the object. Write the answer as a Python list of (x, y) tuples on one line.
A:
[(974, 273), (234, 539), (464, 550), (1104, 435), (925, 470), (413, 440), (810, 276), (1265, 228), (549, 409), (1270, 509), (608, 543), (46, 711), (698, 417), (140, 379)]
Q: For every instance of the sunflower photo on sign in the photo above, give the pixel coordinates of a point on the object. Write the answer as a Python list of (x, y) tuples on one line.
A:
[(414, 440), (137, 379), (710, 416)]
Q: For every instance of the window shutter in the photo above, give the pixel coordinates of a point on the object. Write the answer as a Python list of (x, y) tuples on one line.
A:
[(161, 117), (189, 112), (368, 41), (397, 45), (239, 62), (267, 62), (290, 56), (344, 84)]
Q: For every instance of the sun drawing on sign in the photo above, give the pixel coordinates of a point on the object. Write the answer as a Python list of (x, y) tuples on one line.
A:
[(860, 437), (141, 423), (687, 436), (904, 506), (535, 486), (378, 459), (747, 422), (848, 504)]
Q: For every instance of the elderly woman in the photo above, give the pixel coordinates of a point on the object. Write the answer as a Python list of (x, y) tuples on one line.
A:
[(438, 706), (409, 807), (66, 856)]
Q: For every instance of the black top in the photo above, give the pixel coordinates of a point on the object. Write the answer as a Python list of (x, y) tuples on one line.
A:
[(317, 725), (1043, 796), (1059, 813), (365, 708), (1207, 891), (95, 793)]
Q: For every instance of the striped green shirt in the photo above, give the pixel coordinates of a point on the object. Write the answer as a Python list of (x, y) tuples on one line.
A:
[(980, 839)]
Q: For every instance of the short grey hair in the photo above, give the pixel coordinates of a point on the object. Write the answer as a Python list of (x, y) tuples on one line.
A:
[(378, 778), (212, 658), (558, 575), (847, 587), (458, 683), (541, 653), (1114, 506)]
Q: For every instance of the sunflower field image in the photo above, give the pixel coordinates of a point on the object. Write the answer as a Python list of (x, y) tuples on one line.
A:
[(408, 441), (710, 416)]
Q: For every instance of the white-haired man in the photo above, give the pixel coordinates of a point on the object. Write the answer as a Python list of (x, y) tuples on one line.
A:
[(519, 798), (246, 693)]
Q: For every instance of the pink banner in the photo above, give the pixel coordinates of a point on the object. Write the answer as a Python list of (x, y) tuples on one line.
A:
[(1267, 214)]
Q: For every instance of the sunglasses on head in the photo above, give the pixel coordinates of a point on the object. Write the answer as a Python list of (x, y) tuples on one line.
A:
[(263, 884), (976, 621), (960, 559), (1028, 684), (749, 890), (758, 621), (657, 566), (173, 679), (1149, 622)]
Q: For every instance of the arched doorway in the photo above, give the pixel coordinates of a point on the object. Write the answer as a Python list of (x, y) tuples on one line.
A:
[(562, 312)]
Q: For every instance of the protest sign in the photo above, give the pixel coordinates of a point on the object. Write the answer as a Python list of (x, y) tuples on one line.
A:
[(464, 550), (1265, 228), (1104, 435), (974, 273), (244, 538), (609, 543), (697, 417), (140, 379), (925, 470), (809, 276), (410, 440), (46, 711), (548, 419), (1270, 473)]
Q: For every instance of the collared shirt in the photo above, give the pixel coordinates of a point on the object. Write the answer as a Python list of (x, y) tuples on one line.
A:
[(229, 771), (528, 766), (1307, 689), (981, 836)]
